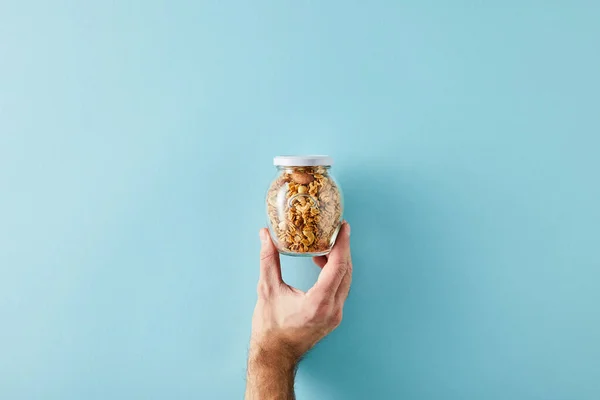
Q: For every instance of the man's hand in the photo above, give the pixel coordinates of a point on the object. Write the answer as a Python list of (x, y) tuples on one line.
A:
[(288, 322)]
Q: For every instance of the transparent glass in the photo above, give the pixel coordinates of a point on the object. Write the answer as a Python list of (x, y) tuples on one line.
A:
[(304, 210)]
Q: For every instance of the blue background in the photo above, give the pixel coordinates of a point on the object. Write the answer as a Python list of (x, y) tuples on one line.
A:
[(136, 142)]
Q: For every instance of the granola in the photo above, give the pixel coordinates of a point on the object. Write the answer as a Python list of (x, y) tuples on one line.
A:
[(304, 208)]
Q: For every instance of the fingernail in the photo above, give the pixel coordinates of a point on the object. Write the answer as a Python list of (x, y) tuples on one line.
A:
[(347, 224)]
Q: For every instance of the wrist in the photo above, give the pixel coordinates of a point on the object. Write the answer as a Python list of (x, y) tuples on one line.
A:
[(273, 354)]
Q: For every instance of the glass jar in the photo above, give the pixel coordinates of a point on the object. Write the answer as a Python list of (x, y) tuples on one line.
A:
[(304, 206)]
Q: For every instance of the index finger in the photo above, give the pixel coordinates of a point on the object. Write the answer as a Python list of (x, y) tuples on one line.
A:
[(337, 264)]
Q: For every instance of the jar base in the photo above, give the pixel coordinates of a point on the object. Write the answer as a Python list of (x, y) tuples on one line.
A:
[(288, 253)]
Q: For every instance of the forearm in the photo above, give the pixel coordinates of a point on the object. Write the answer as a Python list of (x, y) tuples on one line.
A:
[(270, 374)]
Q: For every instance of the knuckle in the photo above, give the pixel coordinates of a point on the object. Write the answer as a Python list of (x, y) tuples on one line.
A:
[(320, 311), (327, 313), (343, 265), (267, 256), (336, 318), (343, 268), (264, 290)]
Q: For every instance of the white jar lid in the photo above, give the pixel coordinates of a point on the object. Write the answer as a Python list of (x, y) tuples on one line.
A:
[(302, 161)]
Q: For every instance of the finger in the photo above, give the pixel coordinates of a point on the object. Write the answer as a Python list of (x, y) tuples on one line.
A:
[(337, 263), (342, 293), (320, 261), (270, 268)]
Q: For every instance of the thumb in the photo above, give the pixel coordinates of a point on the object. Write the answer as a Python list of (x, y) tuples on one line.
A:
[(270, 268)]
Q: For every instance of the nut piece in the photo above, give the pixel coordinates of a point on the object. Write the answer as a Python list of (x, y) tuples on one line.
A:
[(309, 236), (302, 177)]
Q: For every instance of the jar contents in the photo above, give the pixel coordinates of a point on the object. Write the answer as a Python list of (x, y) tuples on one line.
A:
[(304, 207)]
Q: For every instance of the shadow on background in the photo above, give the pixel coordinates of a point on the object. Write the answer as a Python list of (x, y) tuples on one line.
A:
[(385, 342)]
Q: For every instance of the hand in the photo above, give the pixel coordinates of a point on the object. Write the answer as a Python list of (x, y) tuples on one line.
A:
[(287, 322)]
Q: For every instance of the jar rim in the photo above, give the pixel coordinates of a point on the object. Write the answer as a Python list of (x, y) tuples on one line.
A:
[(302, 161)]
